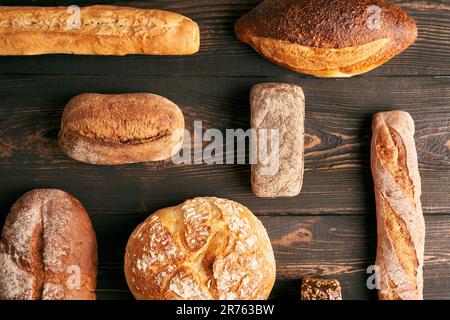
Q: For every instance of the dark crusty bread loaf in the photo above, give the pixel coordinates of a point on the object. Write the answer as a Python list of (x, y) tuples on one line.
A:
[(121, 128), (204, 248), (102, 30), (400, 223), (280, 107), (48, 249), (327, 38)]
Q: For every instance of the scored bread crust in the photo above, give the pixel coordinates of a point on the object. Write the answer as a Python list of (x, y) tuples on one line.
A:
[(48, 249), (110, 129), (204, 248), (400, 222), (104, 30), (326, 38)]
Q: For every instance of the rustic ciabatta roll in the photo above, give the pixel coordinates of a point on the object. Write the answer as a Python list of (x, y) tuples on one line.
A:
[(101, 30), (327, 38), (204, 248), (110, 129), (48, 249), (278, 108), (400, 223)]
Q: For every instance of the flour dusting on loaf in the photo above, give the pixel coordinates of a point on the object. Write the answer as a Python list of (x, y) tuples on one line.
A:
[(223, 252), (196, 215), (111, 129), (160, 247), (278, 116), (15, 283), (46, 234), (400, 222)]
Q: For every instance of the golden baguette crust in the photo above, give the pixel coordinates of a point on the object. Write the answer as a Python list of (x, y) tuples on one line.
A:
[(48, 249), (110, 129), (326, 38), (400, 222), (204, 248), (104, 30)]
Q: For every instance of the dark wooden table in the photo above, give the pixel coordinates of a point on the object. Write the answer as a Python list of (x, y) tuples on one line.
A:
[(329, 229)]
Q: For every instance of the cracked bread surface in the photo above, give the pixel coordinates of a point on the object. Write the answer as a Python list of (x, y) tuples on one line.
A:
[(204, 248)]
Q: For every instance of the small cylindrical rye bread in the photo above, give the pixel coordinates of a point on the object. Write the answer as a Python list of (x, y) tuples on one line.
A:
[(204, 248), (48, 249), (277, 116), (108, 129), (400, 222), (100, 30)]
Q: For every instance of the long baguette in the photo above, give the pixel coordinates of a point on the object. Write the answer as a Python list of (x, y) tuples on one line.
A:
[(400, 223), (101, 30)]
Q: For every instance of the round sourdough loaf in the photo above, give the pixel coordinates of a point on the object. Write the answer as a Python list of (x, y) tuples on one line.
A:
[(204, 248), (48, 249)]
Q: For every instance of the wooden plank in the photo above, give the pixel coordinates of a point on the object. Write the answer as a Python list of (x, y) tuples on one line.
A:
[(337, 177), (328, 230), (332, 246), (222, 54)]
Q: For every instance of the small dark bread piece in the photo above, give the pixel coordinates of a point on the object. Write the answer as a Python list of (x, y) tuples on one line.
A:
[(320, 289), (48, 249), (327, 38)]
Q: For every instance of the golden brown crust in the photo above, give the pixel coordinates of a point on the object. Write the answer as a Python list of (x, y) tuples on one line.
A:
[(400, 223), (204, 248), (104, 30), (121, 128), (326, 38), (48, 249)]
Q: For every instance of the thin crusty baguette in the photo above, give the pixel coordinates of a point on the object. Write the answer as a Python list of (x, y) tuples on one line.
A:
[(401, 227), (103, 30)]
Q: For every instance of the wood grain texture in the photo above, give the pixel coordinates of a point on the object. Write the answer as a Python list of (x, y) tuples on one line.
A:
[(328, 229), (338, 113), (222, 54)]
